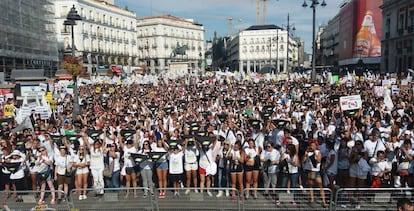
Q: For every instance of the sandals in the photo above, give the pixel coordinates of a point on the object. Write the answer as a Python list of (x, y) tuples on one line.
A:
[(53, 202), (40, 202)]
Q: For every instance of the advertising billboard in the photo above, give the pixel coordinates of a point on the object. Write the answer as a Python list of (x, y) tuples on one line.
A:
[(360, 29)]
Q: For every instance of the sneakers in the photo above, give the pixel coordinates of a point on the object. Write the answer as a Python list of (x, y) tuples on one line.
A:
[(82, 197), (163, 195), (187, 192), (145, 195), (196, 191), (176, 195), (209, 193), (358, 207), (227, 193), (220, 194)]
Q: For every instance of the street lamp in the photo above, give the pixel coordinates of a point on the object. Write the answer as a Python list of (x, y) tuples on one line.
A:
[(288, 27), (313, 6), (71, 19)]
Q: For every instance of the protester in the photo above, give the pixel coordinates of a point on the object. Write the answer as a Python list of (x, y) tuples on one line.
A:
[(245, 118)]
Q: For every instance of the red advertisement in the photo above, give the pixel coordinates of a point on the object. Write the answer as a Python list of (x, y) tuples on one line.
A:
[(360, 29)]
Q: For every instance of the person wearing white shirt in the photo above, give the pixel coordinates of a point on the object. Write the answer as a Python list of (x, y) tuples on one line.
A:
[(190, 164), (81, 161), (17, 177), (331, 165), (176, 168), (270, 159), (380, 167), (374, 145), (97, 164), (63, 164), (128, 169), (44, 164), (292, 174)]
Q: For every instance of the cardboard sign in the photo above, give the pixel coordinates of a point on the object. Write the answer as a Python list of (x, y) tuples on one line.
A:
[(315, 89), (350, 102), (379, 91)]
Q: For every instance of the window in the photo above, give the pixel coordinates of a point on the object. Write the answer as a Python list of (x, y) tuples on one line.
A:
[(411, 21)]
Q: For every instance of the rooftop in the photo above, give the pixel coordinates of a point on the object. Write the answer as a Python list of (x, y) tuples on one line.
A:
[(263, 27)]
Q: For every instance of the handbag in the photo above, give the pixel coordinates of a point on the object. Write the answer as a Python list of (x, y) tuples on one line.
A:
[(108, 169), (43, 175)]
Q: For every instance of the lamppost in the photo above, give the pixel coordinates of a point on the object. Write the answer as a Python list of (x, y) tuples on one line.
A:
[(270, 48), (313, 6), (71, 19), (288, 27)]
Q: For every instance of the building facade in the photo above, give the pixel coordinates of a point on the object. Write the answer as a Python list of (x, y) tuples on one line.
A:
[(27, 36), (329, 39), (161, 37), (398, 36), (105, 36), (263, 45)]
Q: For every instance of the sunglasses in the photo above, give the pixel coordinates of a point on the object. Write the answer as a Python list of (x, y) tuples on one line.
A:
[(112, 145), (268, 146), (42, 150)]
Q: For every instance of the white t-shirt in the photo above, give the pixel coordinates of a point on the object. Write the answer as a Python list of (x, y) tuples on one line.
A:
[(61, 163), (97, 159), (334, 167), (191, 155), (176, 163), (274, 155), (372, 147), (377, 167)]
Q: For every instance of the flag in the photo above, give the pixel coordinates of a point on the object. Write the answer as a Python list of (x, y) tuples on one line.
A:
[(25, 124)]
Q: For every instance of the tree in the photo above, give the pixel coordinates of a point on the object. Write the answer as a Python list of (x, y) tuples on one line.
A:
[(73, 65)]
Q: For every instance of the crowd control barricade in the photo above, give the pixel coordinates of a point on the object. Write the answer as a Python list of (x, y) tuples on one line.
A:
[(286, 199), (370, 198), (113, 199), (29, 201), (198, 200)]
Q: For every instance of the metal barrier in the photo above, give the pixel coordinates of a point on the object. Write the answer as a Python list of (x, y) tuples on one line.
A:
[(114, 199), (199, 201), (286, 199), (29, 201), (370, 198)]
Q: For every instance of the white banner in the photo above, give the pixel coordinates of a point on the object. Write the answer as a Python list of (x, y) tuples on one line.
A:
[(350, 102)]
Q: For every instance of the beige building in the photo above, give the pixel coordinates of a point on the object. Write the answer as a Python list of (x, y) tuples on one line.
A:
[(159, 36), (105, 36)]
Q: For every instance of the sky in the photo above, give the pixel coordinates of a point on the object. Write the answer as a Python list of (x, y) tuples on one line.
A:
[(213, 13)]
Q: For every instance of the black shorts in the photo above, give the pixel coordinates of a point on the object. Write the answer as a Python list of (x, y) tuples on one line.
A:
[(236, 168), (5, 179), (19, 183), (175, 177)]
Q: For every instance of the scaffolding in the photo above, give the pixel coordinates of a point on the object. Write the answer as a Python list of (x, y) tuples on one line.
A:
[(27, 34)]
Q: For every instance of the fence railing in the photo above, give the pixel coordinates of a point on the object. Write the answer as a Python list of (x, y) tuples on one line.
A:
[(370, 198), (287, 199), (113, 199), (192, 199), (29, 200)]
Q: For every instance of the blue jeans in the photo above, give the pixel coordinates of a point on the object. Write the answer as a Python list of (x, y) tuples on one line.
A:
[(221, 171), (294, 180), (113, 182)]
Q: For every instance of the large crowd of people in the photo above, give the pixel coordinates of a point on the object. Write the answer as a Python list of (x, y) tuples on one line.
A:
[(192, 134)]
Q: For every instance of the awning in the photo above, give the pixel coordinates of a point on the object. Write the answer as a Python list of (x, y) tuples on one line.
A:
[(116, 70)]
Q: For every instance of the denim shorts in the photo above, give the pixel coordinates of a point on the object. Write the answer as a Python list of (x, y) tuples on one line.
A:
[(162, 165)]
